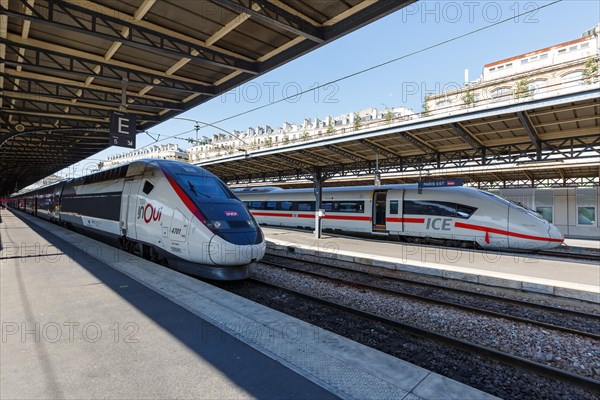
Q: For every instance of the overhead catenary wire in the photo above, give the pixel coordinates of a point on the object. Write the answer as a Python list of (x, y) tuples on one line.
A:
[(373, 67)]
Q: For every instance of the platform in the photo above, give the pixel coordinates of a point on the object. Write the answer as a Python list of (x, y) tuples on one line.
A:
[(81, 319), (571, 279)]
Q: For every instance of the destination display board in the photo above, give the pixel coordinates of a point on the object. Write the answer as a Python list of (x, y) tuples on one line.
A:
[(439, 183)]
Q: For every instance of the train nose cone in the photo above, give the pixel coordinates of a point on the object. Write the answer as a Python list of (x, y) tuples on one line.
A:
[(556, 236)]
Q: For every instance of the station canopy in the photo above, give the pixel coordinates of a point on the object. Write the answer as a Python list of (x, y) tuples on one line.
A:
[(65, 65), (552, 141)]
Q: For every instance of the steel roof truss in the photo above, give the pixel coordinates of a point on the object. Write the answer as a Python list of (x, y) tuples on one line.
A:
[(531, 132), (467, 137), (273, 15), (45, 106), (379, 149), (137, 36), (417, 143), (294, 162), (69, 92), (311, 154), (345, 153), (83, 67)]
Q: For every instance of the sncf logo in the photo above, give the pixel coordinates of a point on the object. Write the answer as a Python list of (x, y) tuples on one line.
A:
[(149, 213)]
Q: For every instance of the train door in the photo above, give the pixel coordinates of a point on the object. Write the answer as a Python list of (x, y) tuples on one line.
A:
[(128, 208), (379, 201)]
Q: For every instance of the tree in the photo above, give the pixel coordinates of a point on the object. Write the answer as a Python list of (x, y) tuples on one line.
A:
[(590, 70), (286, 138), (388, 116), (269, 141), (468, 98), (426, 112), (522, 89), (357, 121), (305, 135), (330, 129)]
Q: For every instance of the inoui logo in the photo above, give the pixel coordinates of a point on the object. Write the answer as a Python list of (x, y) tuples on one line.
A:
[(149, 213)]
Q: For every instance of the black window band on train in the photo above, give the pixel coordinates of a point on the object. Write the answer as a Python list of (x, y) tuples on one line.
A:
[(437, 208), (353, 207), (97, 205)]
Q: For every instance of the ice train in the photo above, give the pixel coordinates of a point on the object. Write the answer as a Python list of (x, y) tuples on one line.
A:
[(451, 215), (162, 210)]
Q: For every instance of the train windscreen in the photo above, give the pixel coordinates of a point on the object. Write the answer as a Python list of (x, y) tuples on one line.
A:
[(225, 214)]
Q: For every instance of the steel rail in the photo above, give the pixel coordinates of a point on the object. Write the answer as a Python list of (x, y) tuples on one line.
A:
[(520, 303), (505, 358)]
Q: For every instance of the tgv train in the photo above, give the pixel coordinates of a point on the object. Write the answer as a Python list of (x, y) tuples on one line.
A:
[(162, 210), (450, 215)]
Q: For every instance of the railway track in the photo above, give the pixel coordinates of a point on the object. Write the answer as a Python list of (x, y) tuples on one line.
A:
[(430, 349), (590, 254), (560, 319)]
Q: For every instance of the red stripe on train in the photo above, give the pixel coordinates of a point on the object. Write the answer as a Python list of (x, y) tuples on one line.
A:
[(186, 200), (267, 214), (488, 230), (287, 215), (411, 220)]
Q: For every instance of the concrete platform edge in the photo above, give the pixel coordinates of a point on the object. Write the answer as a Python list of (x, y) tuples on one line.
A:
[(580, 292), (303, 354)]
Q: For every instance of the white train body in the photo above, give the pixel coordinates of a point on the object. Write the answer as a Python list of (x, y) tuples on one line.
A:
[(448, 214), (178, 211)]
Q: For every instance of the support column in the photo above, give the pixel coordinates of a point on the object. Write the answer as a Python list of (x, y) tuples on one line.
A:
[(318, 179)]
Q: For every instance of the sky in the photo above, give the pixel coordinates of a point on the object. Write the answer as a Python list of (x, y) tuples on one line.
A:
[(404, 82)]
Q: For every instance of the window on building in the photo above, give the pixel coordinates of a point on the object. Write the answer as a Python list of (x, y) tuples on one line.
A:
[(524, 61), (535, 86), (544, 204), (501, 94), (562, 51), (585, 45), (572, 79), (543, 56), (586, 207)]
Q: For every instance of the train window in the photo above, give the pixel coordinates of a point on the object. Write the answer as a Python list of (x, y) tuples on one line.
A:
[(271, 205), (204, 187), (286, 205), (351, 206), (438, 208), (306, 206), (463, 211), (328, 206), (393, 206), (255, 205), (147, 187)]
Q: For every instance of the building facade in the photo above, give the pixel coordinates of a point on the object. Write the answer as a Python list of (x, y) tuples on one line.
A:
[(551, 71), (165, 152), (221, 144)]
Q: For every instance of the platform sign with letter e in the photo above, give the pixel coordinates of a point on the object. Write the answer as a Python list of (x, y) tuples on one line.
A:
[(122, 129)]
